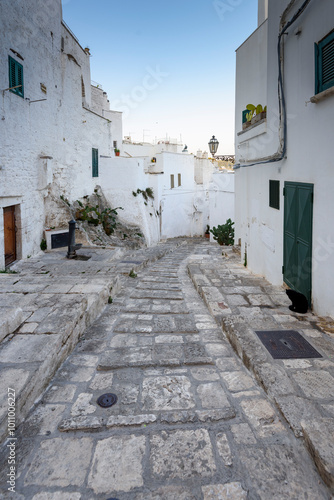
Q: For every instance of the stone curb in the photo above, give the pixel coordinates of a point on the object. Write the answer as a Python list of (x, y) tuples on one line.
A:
[(34, 344), (303, 412)]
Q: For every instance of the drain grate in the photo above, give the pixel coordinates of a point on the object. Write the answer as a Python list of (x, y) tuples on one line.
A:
[(107, 400), (287, 344)]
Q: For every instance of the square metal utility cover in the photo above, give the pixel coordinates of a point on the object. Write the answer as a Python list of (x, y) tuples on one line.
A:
[(287, 344)]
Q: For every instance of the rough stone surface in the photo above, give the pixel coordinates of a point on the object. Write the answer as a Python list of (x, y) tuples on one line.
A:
[(224, 449), (228, 491), (169, 460), (315, 384), (280, 473), (190, 421), (213, 396), (319, 436), (167, 393), (117, 464), (60, 462)]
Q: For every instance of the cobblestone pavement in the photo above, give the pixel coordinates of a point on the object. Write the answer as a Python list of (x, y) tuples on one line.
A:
[(190, 422)]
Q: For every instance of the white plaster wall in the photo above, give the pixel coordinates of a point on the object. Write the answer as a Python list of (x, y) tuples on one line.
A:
[(221, 199), (309, 157), (251, 88), (181, 211), (262, 12), (119, 178), (47, 146), (34, 31)]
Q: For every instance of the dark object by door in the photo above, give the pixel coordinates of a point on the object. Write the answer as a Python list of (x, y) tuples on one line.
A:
[(10, 234)]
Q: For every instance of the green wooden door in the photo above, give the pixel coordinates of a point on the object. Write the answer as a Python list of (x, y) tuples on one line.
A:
[(298, 217)]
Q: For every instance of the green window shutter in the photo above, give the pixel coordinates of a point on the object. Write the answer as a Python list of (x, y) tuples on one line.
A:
[(317, 72), (95, 162), (15, 77), (324, 63), (274, 197), (244, 115)]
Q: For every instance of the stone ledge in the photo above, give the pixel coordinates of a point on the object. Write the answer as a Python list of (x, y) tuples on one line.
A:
[(10, 320), (302, 410), (319, 437), (71, 315), (87, 423)]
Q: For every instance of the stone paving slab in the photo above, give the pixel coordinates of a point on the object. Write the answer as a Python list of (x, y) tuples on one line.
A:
[(50, 297), (184, 431), (301, 389)]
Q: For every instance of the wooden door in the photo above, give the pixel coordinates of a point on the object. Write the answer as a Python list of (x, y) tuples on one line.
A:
[(298, 222), (10, 234)]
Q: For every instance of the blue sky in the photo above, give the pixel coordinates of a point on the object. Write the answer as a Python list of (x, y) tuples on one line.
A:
[(169, 66)]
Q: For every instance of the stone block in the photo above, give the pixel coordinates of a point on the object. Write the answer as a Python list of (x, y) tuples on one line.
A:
[(204, 373), (44, 420), (117, 464), (167, 393), (227, 491), (57, 495), (319, 437), (296, 409), (315, 384), (60, 394), (182, 454), (224, 449), (212, 395), (102, 381), (82, 405), (60, 462), (243, 434), (279, 471), (30, 349), (262, 417), (124, 357), (130, 420), (237, 381), (10, 320)]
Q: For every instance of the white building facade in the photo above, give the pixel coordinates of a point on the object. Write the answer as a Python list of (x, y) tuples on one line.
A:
[(58, 139), (284, 162), (51, 122)]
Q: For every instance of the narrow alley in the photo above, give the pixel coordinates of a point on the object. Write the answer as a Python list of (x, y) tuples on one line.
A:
[(189, 421)]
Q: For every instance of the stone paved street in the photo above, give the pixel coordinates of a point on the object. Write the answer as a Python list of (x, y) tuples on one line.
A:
[(191, 421)]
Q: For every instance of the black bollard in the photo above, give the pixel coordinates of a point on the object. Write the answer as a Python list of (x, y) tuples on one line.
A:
[(71, 254)]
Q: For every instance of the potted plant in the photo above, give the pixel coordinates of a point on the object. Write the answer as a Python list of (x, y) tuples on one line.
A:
[(207, 232), (117, 152), (253, 114)]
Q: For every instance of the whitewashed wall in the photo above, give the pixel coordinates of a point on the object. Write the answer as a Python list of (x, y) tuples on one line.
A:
[(309, 150), (221, 199), (120, 177), (179, 216), (28, 129), (46, 147)]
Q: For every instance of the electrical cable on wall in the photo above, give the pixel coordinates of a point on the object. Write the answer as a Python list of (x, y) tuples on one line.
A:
[(280, 155)]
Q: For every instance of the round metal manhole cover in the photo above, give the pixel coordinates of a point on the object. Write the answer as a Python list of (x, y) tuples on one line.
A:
[(107, 400)]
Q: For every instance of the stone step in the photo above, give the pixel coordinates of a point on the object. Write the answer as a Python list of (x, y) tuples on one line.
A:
[(89, 423), (155, 323), (43, 320), (159, 355), (300, 388), (157, 294)]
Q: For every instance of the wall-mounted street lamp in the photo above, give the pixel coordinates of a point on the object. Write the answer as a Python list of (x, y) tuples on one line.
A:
[(213, 145)]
